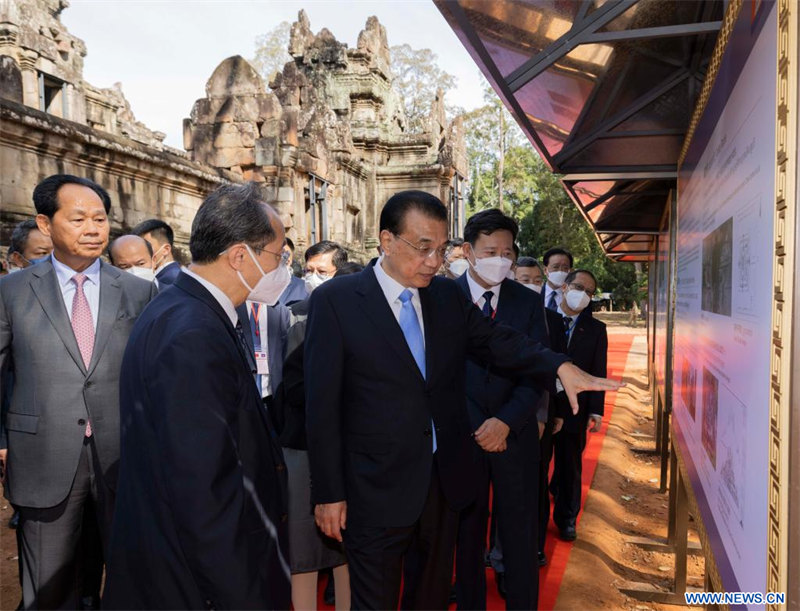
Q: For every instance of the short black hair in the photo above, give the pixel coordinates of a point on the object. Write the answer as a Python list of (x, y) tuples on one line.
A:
[(45, 195), (348, 268), (516, 250), (557, 251), (157, 228), (571, 276), (487, 222), (455, 242), (324, 247), (114, 241), (231, 214), (528, 262), (400, 204), (19, 237), (290, 244)]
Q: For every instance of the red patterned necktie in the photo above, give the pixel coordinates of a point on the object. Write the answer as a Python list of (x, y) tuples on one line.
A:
[(83, 327)]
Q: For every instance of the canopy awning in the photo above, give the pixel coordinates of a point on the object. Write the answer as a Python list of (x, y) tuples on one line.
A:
[(605, 90)]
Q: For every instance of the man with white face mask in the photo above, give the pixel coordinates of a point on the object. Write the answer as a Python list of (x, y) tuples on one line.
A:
[(134, 255), (161, 237), (557, 264), (201, 511), (587, 346), (503, 417), (323, 259), (454, 262)]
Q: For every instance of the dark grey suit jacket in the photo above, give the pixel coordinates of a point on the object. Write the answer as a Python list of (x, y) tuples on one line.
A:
[(54, 393)]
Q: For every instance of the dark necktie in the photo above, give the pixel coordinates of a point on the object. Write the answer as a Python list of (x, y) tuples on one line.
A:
[(251, 359), (488, 310), (551, 302), (567, 325)]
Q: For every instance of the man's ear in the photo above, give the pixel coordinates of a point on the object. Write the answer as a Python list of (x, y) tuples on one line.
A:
[(43, 223), (235, 256), (386, 239)]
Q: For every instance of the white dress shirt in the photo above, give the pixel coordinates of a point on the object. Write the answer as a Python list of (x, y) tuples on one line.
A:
[(392, 288), (217, 294), (91, 288), (476, 291), (549, 289)]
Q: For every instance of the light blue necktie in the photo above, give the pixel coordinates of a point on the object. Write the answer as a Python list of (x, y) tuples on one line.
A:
[(409, 324)]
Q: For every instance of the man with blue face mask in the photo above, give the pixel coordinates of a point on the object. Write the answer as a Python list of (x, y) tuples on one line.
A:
[(28, 246), (503, 417)]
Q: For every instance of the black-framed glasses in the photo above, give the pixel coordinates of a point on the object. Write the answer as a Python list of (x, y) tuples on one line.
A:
[(425, 252), (577, 286)]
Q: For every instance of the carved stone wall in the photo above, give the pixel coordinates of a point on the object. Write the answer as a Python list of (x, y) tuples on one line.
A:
[(329, 122)]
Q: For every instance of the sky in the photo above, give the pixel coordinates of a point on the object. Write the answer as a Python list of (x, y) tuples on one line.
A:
[(163, 52)]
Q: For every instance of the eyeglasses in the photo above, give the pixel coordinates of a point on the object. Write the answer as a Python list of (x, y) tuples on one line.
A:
[(283, 256), (577, 286), (425, 252)]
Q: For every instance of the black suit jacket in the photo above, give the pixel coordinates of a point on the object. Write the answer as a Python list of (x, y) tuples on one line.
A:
[(588, 349), (168, 275), (201, 501), (296, 291), (369, 408), (511, 399)]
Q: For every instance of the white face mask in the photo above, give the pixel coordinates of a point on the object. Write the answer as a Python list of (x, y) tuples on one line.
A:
[(145, 273), (557, 278), (458, 267), (534, 287), (14, 268), (269, 288), (313, 280), (492, 270), (577, 300)]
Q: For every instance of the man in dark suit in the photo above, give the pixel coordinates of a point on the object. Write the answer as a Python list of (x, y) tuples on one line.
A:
[(587, 346), (200, 520), (296, 291), (65, 322), (161, 239), (388, 435), (502, 414)]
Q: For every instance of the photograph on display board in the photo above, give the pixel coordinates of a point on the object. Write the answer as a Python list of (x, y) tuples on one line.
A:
[(689, 387), (718, 269), (710, 404)]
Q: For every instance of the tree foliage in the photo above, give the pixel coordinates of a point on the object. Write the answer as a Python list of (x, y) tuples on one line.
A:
[(272, 51), (416, 78), (507, 173)]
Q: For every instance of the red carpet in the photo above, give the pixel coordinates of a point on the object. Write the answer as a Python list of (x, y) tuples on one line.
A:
[(558, 551)]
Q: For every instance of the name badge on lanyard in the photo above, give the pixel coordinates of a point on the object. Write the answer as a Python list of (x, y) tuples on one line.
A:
[(260, 338)]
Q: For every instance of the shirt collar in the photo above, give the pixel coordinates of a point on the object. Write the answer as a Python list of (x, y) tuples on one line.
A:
[(476, 291), (391, 287), (573, 317), (66, 273), (217, 294)]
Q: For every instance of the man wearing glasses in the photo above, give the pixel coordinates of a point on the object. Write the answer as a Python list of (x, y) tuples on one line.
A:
[(587, 346), (388, 434)]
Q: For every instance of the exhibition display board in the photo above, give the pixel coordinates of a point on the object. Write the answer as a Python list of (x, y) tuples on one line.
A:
[(724, 302)]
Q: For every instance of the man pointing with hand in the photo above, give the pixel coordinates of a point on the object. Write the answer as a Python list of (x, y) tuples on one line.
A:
[(388, 434)]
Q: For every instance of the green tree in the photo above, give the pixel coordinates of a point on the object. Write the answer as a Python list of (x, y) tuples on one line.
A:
[(416, 78), (272, 51)]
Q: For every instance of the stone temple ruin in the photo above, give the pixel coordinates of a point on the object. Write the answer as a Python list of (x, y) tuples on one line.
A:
[(327, 137)]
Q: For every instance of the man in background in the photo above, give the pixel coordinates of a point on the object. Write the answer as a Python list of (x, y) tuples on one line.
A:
[(161, 239), (557, 264), (454, 262), (28, 246), (529, 273), (134, 255), (296, 291)]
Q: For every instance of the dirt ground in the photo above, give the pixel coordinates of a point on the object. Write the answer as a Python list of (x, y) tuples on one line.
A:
[(624, 502)]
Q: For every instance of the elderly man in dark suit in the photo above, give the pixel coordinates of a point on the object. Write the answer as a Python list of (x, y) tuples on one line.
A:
[(587, 345), (388, 435), (201, 514), (65, 322)]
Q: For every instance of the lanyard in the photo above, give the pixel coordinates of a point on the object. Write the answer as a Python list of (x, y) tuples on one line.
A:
[(255, 308)]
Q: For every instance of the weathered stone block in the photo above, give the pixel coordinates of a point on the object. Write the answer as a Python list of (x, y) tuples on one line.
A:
[(271, 128), (289, 127), (266, 151), (247, 132), (230, 157), (227, 135), (187, 134), (234, 77)]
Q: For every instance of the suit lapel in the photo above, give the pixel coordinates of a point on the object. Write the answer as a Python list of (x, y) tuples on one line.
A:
[(378, 311), (110, 298), (434, 348), (45, 286)]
